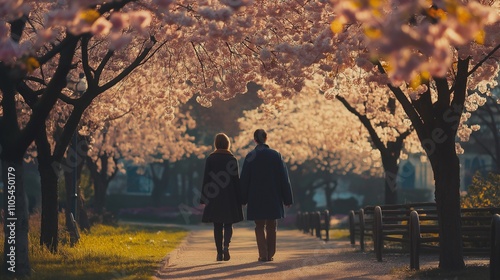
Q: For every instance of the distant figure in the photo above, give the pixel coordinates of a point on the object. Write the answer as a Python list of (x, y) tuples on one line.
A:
[(221, 194), (265, 187)]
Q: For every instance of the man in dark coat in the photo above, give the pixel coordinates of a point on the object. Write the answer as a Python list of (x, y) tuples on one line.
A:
[(265, 188), (221, 194)]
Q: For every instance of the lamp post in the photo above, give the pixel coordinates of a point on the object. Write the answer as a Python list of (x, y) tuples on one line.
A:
[(80, 88)]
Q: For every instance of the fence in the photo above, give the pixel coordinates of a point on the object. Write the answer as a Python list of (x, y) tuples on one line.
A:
[(415, 226), (314, 222)]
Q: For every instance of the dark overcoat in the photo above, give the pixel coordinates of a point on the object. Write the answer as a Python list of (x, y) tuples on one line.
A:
[(265, 185), (221, 189)]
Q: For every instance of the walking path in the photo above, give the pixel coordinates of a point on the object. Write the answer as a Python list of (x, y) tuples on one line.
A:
[(298, 256)]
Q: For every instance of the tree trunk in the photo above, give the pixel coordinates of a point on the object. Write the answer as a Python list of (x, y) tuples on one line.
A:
[(16, 219), (82, 217), (49, 177), (100, 188), (447, 176), (176, 186), (70, 184), (390, 152), (328, 197), (101, 181), (391, 168), (330, 187), (160, 182), (76, 155), (50, 219)]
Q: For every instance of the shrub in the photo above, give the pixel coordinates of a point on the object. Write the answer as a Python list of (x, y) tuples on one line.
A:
[(484, 192)]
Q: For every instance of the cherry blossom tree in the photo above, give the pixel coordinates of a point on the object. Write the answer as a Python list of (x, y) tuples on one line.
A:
[(426, 54), (139, 139), (385, 121), (49, 158), (311, 132), (431, 55), (38, 43)]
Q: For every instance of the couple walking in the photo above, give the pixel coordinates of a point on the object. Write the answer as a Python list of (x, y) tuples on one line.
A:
[(264, 186)]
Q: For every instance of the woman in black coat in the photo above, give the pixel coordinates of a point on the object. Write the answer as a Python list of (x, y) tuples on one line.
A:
[(221, 195)]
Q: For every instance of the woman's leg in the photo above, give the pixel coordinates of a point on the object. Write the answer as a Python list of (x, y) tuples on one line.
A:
[(228, 234), (218, 239)]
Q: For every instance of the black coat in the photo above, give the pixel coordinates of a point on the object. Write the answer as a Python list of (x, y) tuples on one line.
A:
[(265, 185), (221, 190)]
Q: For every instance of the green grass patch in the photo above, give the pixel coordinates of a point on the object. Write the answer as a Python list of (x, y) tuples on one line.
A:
[(107, 252), (339, 234)]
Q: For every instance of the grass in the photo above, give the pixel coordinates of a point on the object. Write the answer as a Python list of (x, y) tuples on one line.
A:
[(107, 252), (339, 234)]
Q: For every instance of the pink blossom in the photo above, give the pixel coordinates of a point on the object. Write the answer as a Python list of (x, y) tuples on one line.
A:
[(140, 20), (180, 19), (9, 50), (12, 9), (101, 27), (119, 21)]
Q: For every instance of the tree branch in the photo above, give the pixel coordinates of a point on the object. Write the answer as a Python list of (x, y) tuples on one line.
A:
[(124, 73), (29, 95), (201, 64), (367, 124), (411, 112), (482, 145), (103, 63), (423, 106), (85, 58), (490, 54), (68, 100), (443, 92)]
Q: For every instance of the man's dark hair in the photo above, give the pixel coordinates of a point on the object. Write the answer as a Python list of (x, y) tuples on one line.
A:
[(260, 136)]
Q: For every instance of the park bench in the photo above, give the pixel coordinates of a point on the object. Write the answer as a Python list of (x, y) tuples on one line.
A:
[(360, 224), (416, 224), (390, 223), (370, 222), (303, 222), (478, 233), (314, 223)]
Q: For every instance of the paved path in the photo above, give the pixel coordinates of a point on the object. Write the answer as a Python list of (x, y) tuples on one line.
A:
[(298, 256)]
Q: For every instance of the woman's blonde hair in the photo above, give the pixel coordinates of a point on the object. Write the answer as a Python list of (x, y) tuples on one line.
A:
[(222, 141)]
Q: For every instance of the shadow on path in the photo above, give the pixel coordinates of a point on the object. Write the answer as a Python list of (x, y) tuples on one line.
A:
[(299, 256)]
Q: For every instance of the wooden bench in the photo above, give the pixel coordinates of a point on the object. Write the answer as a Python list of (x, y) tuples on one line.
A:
[(304, 223), (314, 222), (391, 224), (477, 232), (360, 224), (384, 222)]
